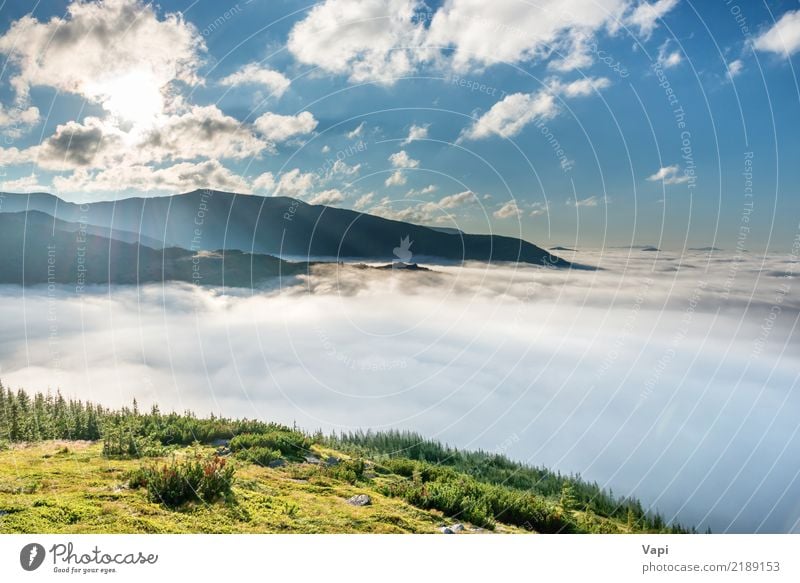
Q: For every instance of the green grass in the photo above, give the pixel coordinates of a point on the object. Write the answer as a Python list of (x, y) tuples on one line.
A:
[(46, 490)]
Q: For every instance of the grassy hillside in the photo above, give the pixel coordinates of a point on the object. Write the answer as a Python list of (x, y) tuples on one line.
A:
[(69, 466)]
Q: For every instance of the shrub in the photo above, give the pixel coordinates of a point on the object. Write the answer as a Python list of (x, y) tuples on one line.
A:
[(350, 471), (292, 444), (261, 456), (434, 487), (194, 478)]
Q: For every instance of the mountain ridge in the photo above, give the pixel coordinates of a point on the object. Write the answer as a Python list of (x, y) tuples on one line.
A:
[(206, 220)]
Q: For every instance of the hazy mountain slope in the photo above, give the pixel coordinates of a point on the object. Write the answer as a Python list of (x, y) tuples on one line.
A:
[(39, 249), (283, 226)]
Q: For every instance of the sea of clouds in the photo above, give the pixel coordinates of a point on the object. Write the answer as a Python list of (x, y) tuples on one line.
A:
[(669, 377)]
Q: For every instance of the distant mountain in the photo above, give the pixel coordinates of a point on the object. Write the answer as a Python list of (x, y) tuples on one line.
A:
[(38, 249), (289, 228)]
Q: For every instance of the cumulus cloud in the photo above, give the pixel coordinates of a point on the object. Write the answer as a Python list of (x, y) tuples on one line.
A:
[(129, 54), (508, 117), (401, 159), (254, 74), (200, 132), (295, 183), (371, 40), (508, 210), (181, 177), (505, 31), (646, 15), (279, 128), (16, 120), (364, 201), (669, 175), (327, 197), (264, 183), (415, 133), (783, 38), (28, 183), (417, 192), (397, 178), (588, 372), (368, 40), (442, 211)]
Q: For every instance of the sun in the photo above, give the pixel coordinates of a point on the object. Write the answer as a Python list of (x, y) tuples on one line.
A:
[(134, 97)]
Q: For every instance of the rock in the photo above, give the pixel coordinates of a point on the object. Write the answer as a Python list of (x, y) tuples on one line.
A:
[(220, 442), (332, 461), (446, 530), (458, 527), (360, 500), (277, 463), (222, 451), (312, 459)]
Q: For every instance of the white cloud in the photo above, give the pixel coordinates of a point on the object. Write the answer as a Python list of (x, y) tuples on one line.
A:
[(279, 128), (457, 200), (671, 60), (380, 40), (590, 201), (508, 210), (357, 132), (396, 179), (16, 120), (783, 38), (539, 209), (367, 40), (25, 184), (416, 133), (264, 183), (669, 175), (118, 53), (364, 201), (576, 55), (440, 211), (735, 67), (507, 117), (178, 178), (327, 197), (580, 87), (201, 132), (345, 169), (646, 15), (668, 59), (431, 188), (295, 183), (506, 31), (401, 159), (254, 74)]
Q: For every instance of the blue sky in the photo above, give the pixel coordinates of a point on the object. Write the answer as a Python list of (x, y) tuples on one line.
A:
[(588, 122)]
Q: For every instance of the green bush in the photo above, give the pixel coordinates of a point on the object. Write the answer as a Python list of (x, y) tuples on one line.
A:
[(194, 478), (350, 471), (261, 456), (291, 444), (429, 486)]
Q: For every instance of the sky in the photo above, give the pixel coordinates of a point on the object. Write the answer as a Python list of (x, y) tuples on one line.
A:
[(582, 123)]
